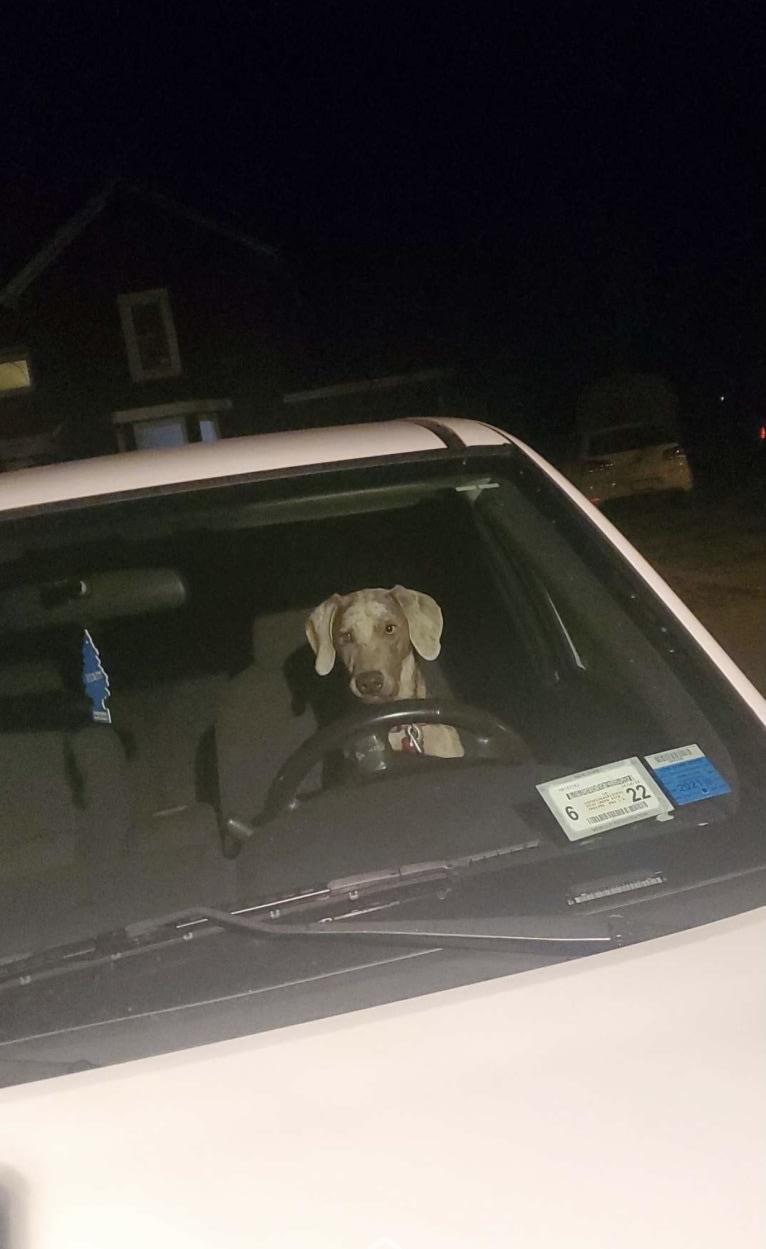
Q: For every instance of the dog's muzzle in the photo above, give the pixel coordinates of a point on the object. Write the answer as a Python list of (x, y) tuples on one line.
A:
[(369, 684)]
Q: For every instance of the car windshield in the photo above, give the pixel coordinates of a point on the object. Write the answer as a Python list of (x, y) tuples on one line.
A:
[(165, 656)]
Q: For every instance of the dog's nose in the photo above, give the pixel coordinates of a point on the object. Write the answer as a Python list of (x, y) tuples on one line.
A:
[(369, 683)]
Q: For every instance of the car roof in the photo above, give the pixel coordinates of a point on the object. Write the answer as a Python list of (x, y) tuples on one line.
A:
[(131, 471)]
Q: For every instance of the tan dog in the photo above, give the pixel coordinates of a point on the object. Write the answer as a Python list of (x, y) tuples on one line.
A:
[(376, 633)]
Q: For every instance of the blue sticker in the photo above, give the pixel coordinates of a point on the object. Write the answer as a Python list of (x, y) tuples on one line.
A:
[(95, 681), (687, 775)]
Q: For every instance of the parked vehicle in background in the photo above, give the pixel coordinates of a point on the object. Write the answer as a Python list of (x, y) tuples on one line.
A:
[(622, 460)]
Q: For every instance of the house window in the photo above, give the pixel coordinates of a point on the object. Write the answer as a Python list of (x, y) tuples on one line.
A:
[(170, 424), (208, 429), (15, 374), (150, 335), (150, 435)]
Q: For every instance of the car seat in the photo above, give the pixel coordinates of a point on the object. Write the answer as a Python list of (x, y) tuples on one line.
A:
[(268, 710)]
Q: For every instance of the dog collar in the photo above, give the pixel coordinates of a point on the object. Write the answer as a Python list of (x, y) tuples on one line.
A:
[(408, 737)]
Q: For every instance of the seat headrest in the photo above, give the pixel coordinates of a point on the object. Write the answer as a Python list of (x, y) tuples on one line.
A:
[(277, 636)]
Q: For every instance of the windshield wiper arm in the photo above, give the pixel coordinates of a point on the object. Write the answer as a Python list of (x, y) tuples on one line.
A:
[(111, 946), (548, 935), (571, 937), (545, 935)]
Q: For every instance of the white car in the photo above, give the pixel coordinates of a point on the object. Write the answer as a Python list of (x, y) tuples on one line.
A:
[(382, 860), (630, 459)]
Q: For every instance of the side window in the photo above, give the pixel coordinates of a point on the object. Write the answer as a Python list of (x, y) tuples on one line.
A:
[(150, 335)]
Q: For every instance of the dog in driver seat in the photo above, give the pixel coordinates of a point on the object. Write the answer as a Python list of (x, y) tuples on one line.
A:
[(378, 636)]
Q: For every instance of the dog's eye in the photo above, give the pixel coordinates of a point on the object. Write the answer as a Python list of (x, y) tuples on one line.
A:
[(345, 636), (390, 628)]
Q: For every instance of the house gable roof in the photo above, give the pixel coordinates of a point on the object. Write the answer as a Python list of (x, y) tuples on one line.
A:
[(71, 230)]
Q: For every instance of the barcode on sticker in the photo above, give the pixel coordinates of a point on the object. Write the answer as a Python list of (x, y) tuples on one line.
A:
[(681, 754), (618, 814)]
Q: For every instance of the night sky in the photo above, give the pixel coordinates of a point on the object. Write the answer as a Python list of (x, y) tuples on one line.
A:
[(540, 185)]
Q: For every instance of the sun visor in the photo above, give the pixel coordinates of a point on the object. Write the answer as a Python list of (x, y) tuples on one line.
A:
[(90, 598)]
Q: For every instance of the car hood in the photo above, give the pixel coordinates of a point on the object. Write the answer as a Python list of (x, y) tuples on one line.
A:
[(617, 1100)]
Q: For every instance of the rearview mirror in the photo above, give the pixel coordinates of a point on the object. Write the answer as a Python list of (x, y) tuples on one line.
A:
[(90, 598)]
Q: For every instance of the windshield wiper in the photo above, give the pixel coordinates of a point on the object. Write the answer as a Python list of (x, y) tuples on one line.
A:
[(117, 944), (545, 935)]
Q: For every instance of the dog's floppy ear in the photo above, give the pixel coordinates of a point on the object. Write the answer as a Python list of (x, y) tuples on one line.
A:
[(319, 634), (424, 618)]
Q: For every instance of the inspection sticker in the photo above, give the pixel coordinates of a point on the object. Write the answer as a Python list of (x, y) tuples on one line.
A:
[(687, 775), (599, 799)]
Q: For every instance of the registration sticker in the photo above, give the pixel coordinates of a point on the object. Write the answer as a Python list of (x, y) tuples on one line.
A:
[(687, 775), (603, 798)]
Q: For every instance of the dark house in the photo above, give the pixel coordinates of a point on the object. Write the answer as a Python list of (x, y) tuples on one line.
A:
[(142, 324)]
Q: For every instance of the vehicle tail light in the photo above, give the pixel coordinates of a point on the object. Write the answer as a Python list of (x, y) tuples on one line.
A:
[(762, 433)]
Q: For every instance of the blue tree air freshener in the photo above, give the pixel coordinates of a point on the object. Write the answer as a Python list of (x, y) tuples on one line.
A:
[(95, 681)]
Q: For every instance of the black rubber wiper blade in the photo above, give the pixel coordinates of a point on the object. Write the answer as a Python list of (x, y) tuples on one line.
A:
[(93, 951)]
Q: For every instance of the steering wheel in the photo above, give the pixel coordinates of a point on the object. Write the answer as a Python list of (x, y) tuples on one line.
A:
[(493, 740)]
